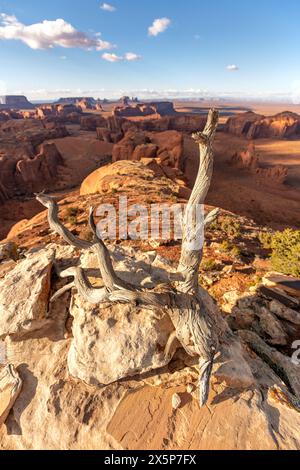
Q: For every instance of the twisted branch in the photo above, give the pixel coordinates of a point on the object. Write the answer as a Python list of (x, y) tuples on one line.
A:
[(192, 251)]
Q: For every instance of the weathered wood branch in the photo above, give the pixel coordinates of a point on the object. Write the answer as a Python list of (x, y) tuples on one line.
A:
[(57, 226), (193, 226), (211, 217), (110, 278)]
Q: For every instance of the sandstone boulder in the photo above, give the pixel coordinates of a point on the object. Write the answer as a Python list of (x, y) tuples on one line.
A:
[(116, 342), (10, 388), (8, 251), (24, 296), (124, 174)]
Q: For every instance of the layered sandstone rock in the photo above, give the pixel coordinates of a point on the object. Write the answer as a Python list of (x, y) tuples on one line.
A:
[(250, 406), (160, 108), (132, 339), (25, 164), (91, 122), (34, 173), (181, 122), (122, 175), (284, 125), (15, 102), (63, 113), (24, 296), (10, 388), (167, 146), (8, 251)]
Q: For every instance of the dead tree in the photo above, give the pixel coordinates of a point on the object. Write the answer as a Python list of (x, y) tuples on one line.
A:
[(195, 316)]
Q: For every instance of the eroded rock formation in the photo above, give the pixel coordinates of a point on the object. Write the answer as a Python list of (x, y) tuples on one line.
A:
[(25, 164), (136, 145), (284, 125), (160, 108), (15, 102), (249, 160)]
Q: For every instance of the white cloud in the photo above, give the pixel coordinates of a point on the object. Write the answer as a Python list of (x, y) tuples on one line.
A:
[(232, 68), (129, 57), (107, 7), (63, 57), (49, 34), (112, 57), (159, 26)]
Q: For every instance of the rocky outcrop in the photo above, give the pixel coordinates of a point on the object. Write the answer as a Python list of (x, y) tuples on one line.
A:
[(15, 102), (181, 123), (7, 114), (249, 160), (35, 173), (8, 251), (160, 108), (133, 339), (166, 146), (241, 123), (24, 296), (10, 388), (26, 164), (86, 104), (254, 399), (91, 122), (124, 174), (59, 113), (284, 125)]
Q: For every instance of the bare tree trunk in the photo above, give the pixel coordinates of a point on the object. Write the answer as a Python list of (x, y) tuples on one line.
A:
[(195, 317)]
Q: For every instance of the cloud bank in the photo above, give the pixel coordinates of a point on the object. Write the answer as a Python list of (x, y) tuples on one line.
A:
[(48, 34), (159, 26)]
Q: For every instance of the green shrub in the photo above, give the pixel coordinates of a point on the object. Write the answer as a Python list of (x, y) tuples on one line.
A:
[(72, 211), (231, 228), (231, 249), (209, 265), (236, 252), (265, 239), (226, 246), (285, 256), (72, 220)]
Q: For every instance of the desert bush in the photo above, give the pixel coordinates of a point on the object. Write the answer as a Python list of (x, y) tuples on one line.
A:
[(72, 211), (285, 256), (209, 264), (265, 239), (231, 249), (231, 228)]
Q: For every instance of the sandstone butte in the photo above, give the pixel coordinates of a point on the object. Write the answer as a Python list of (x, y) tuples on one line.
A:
[(91, 377)]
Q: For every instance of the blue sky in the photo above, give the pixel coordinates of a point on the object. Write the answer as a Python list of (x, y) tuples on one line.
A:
[(225, 47)]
